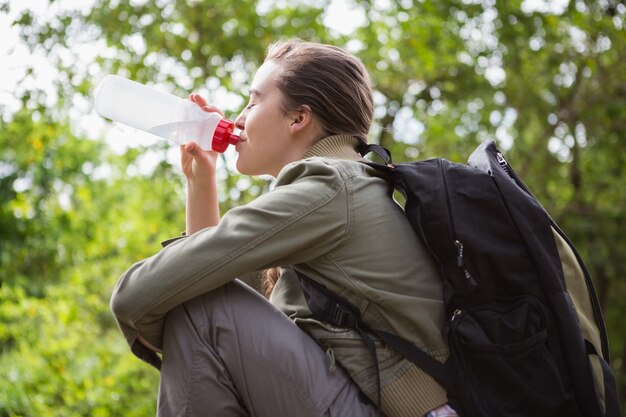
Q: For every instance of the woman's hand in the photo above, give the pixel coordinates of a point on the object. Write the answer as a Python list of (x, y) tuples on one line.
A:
[(197, 164)]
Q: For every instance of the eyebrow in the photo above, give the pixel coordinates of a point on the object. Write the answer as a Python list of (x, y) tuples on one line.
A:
[(254, 91)]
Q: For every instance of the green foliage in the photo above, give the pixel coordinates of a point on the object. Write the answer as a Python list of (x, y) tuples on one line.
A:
[(546, 84), (62, 356)]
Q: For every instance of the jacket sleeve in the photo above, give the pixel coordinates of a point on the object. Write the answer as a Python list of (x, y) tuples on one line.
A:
[(304, 217)]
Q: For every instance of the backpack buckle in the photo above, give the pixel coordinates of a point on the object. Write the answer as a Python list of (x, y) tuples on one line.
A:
[(343, 317)]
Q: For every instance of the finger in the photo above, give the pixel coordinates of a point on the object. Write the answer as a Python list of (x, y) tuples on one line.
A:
[(200, 101), (197, 99), (187, 148), (212, 109), (191, 147)]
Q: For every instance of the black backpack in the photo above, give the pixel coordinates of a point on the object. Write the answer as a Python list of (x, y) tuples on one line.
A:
[(517, 346)]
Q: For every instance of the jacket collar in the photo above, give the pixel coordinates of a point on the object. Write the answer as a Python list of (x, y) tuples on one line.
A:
[(336, 147)]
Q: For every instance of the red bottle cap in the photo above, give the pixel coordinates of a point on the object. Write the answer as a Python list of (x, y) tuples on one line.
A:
[(224, 136)]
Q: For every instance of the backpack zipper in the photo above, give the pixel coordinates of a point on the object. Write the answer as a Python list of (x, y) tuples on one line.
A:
[(445, 188), (455, 314), (595, 303), (460, 261)]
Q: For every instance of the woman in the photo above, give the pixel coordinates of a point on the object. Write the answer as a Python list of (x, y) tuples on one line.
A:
[(226, 350)]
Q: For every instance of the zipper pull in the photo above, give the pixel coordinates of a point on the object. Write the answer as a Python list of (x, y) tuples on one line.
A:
[(459, 254), (456, 313), (460, 262), (503, 163), (470, 279)]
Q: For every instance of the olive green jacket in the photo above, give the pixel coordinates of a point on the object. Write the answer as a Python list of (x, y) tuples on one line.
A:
[(333, 219)]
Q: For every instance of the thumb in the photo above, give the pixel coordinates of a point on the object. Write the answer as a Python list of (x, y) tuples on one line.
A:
[(196, 152), (192, 148)]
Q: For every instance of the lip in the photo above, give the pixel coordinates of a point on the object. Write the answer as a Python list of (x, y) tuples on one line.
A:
[(242, 139)]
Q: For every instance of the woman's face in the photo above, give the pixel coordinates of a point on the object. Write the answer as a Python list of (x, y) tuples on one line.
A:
[(268, 143)]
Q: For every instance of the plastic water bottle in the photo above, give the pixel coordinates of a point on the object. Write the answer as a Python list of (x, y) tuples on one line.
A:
[(162, 114)]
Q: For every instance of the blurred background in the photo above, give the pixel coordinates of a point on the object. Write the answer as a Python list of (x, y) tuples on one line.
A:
[(81, 198)]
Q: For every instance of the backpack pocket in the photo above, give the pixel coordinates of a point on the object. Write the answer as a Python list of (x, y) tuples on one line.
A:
[(504, 364)]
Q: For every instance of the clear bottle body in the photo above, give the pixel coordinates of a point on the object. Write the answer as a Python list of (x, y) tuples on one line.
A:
[(162, 114)]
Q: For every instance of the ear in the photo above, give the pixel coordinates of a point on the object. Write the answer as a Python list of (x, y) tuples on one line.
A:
[(301, 119)]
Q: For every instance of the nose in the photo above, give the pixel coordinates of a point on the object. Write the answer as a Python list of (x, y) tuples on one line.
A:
[(240, 121)]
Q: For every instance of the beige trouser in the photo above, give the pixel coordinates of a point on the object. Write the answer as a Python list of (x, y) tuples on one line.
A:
[(231, 353)]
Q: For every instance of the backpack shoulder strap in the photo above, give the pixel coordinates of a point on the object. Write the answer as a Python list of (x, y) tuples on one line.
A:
[(383, 153), (336, 310)]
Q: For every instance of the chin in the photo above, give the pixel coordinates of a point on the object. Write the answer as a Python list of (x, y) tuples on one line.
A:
[(247, 164), (244, 168), (241, 167)]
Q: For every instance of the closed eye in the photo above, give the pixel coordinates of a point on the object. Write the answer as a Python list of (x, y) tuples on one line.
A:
[(249, 106)]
